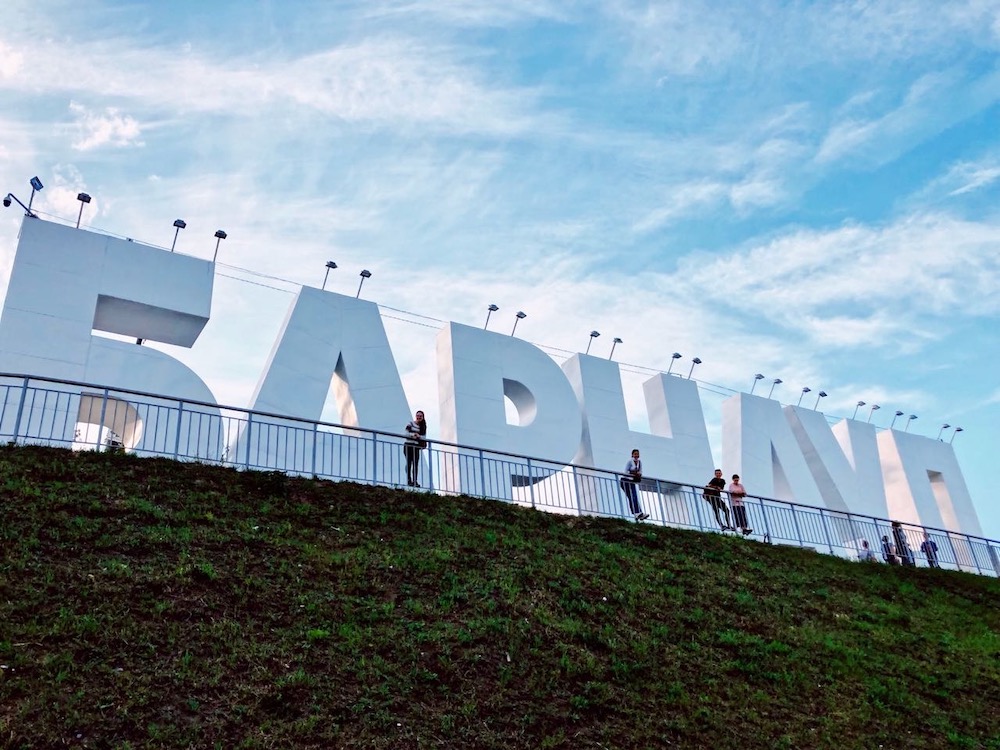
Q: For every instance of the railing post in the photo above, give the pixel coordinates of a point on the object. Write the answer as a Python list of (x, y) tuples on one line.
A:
[(954, 552), (659, 499), (374, 458), (430, 466), (576, 489), (177, 438), (795, 521), (100, 426), (248, 433), (697, 509), (315, 441), (826, 530), (482, 473), (531, 485), (975, 557), (20, 410), (767, 525)]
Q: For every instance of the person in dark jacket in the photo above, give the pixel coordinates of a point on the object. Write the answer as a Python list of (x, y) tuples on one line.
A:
[(415, 442), (930, 550), (888, 551), (902, 548)]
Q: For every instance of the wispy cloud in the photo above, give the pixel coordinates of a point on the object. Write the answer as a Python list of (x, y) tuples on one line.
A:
[(107, 128)]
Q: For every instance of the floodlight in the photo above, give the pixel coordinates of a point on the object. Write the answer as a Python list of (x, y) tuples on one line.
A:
[(805, 390), (875, 408), (366, 274), (593, 335), (822, 394), (330, 265), (776, 381), (694, 362), (179, 224), (84, 200), (860, 404), (673, 358), (756, 378), (518, 317), (615, 343), (219, 237), (489, 311)]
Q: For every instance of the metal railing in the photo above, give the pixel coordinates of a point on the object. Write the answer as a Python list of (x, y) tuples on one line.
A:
[(84, 416)]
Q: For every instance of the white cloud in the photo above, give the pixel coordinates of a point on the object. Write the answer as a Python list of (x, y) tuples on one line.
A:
[(11, 61), (107, 128), (860, 285)]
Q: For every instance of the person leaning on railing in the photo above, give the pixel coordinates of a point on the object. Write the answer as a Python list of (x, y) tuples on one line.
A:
[(736, 494), (713, 494)]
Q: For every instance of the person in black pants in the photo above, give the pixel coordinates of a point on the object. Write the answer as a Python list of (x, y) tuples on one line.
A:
[(902, 548), (415, 442), (713, 493), (629, 484)]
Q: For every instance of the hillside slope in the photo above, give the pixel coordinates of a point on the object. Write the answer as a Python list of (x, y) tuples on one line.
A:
[(147, 603)]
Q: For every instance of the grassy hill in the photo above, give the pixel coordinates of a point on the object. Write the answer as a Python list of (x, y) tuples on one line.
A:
[(146, 603)]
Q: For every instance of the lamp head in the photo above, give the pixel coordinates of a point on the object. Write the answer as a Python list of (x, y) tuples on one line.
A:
[(778, 381), (945, 426), (758, 376), (366, 274), (696, 361), (6, 201), (959, 429), (331, 265), (875, 407), (807, 389), (492, 308), (912, 416), (594, 334), (899, 413), (220, 235), (618, 340), (180, 224), (36, 184), (521, 315), (676, 355), (83, 197), (822, 394), (861, 403)]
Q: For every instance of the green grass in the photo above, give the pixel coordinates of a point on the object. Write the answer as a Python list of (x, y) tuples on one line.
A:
[(146, 603)]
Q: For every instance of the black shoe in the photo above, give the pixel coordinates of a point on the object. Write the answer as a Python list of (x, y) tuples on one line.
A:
[(747, 532), (643, 516)]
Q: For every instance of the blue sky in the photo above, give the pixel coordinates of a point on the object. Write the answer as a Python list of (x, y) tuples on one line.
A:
[(809, 191)]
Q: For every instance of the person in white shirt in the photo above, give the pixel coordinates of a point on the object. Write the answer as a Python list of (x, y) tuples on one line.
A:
[(736, 494), (630, 485), (866, 554)]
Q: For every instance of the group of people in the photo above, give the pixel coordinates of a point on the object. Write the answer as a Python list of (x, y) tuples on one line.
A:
[(737, 492), (632, 477), (896, 551)]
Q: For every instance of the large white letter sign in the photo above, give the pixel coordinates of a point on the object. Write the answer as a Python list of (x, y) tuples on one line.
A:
[(837, 481), (67, 282), (925, 484), (758, 444), (476, 370), (328, 337), (678, 448)]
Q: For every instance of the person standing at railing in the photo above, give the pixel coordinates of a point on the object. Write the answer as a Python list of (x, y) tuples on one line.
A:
[(930, 550), (902, 548), (866, 554), (736, 494), (415, 442), (713, 493), (630, 485), (888, 551)]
